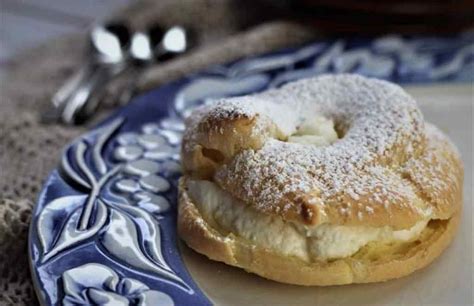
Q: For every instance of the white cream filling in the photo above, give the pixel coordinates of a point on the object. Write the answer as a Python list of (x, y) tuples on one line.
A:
[(318, 132), (322, 242), (220, 207), (337, 241)]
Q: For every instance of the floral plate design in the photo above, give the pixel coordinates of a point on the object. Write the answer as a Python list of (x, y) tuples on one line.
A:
[(104, 227)]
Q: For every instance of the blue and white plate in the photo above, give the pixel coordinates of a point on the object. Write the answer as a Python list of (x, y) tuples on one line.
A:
[(104, 227)]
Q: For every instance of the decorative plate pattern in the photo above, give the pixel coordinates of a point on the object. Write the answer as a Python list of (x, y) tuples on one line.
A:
[(104, 228)]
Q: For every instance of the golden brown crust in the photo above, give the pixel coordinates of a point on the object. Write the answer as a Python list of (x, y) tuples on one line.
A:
[(373, 263), (390, 169), (434, 181), (437, 174), (216, 141)]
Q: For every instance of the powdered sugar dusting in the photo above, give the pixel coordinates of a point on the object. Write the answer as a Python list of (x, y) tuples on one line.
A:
[(434, 171), (379, 123)]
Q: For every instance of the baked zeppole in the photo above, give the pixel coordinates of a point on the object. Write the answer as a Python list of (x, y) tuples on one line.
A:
[(325, 181)]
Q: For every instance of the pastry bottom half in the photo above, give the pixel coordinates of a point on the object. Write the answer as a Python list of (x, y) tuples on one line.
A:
[(375, 262)]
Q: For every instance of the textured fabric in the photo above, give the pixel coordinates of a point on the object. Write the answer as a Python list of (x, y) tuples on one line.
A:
[(29, 150), (15, 282)]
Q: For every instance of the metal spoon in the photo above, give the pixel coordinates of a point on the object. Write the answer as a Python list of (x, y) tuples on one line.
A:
[(153, 46), (107, 56), (112, 52)]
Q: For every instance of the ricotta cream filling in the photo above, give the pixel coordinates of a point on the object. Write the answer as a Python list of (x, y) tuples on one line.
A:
[(322, 242), (318, 131)]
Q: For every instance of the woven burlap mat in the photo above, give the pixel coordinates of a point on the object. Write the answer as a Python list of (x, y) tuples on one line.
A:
[(29, 150)]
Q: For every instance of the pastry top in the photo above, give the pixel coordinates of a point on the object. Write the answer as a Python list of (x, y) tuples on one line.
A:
[(387, 167)]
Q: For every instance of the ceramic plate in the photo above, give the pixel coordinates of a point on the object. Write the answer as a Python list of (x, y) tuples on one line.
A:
[(104, 227)]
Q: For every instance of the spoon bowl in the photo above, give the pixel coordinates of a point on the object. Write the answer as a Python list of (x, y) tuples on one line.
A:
[(109, 43), (157, 44)]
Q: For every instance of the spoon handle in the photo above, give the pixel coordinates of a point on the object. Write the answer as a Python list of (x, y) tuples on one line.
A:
[(84, 101), (66, 91), (129, 89), (71, 85)]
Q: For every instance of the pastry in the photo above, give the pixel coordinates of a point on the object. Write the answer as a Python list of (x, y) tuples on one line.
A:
[(325, 181)]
